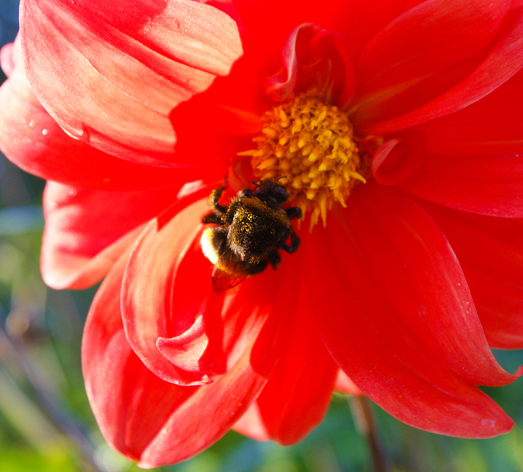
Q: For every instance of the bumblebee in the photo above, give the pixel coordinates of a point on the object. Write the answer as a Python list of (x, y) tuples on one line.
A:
[(250, 231)]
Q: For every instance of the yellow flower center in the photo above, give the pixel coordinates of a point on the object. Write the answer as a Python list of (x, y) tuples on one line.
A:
[(310, 145)]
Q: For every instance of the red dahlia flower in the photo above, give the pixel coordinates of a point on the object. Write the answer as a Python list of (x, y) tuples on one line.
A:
[(397, 126)]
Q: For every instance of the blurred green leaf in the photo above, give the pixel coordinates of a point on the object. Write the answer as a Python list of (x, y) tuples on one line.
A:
[(27, 460)]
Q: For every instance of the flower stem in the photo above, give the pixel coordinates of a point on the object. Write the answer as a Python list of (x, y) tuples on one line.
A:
[(366, 424)]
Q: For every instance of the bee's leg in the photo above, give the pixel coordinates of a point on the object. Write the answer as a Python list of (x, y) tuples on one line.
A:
[(294, 212), (213, 201), (212, 218), (257, 267), (275, 259), (295, 243)]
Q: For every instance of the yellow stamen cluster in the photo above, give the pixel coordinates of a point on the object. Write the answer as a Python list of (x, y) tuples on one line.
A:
[(312, 144)]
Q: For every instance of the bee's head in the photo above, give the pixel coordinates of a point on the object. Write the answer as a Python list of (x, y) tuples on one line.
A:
[(271, 189)]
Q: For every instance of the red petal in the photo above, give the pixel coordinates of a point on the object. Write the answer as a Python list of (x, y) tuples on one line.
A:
[(146, 418), (491, 126), (181, 329), (420, 43), (35, 142), (113, 375), (490, 251), (500, 307), (252, 425), (233, 106), (504, 59), (110, 75), (356, 21), (398, 159), (490, 185), (408, 334), (255, 16), (299, 389), (314, 58), (86, 230)]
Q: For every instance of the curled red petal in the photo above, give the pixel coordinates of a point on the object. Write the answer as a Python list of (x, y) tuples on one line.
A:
[(356, 21), (178, 325), (146, 418), (112, 372), (408, 336), (188, 431), (172, 346), (86, 230), (504, 59), (314, 58), (83, 62), (398, 159)]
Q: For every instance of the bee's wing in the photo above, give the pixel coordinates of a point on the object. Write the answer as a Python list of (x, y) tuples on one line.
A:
[(227, 274)]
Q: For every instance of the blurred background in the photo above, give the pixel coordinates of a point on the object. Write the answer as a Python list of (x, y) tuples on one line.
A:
[(45, 420)]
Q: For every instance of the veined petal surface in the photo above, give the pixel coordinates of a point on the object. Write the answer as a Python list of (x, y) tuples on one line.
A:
[(83, 61)]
